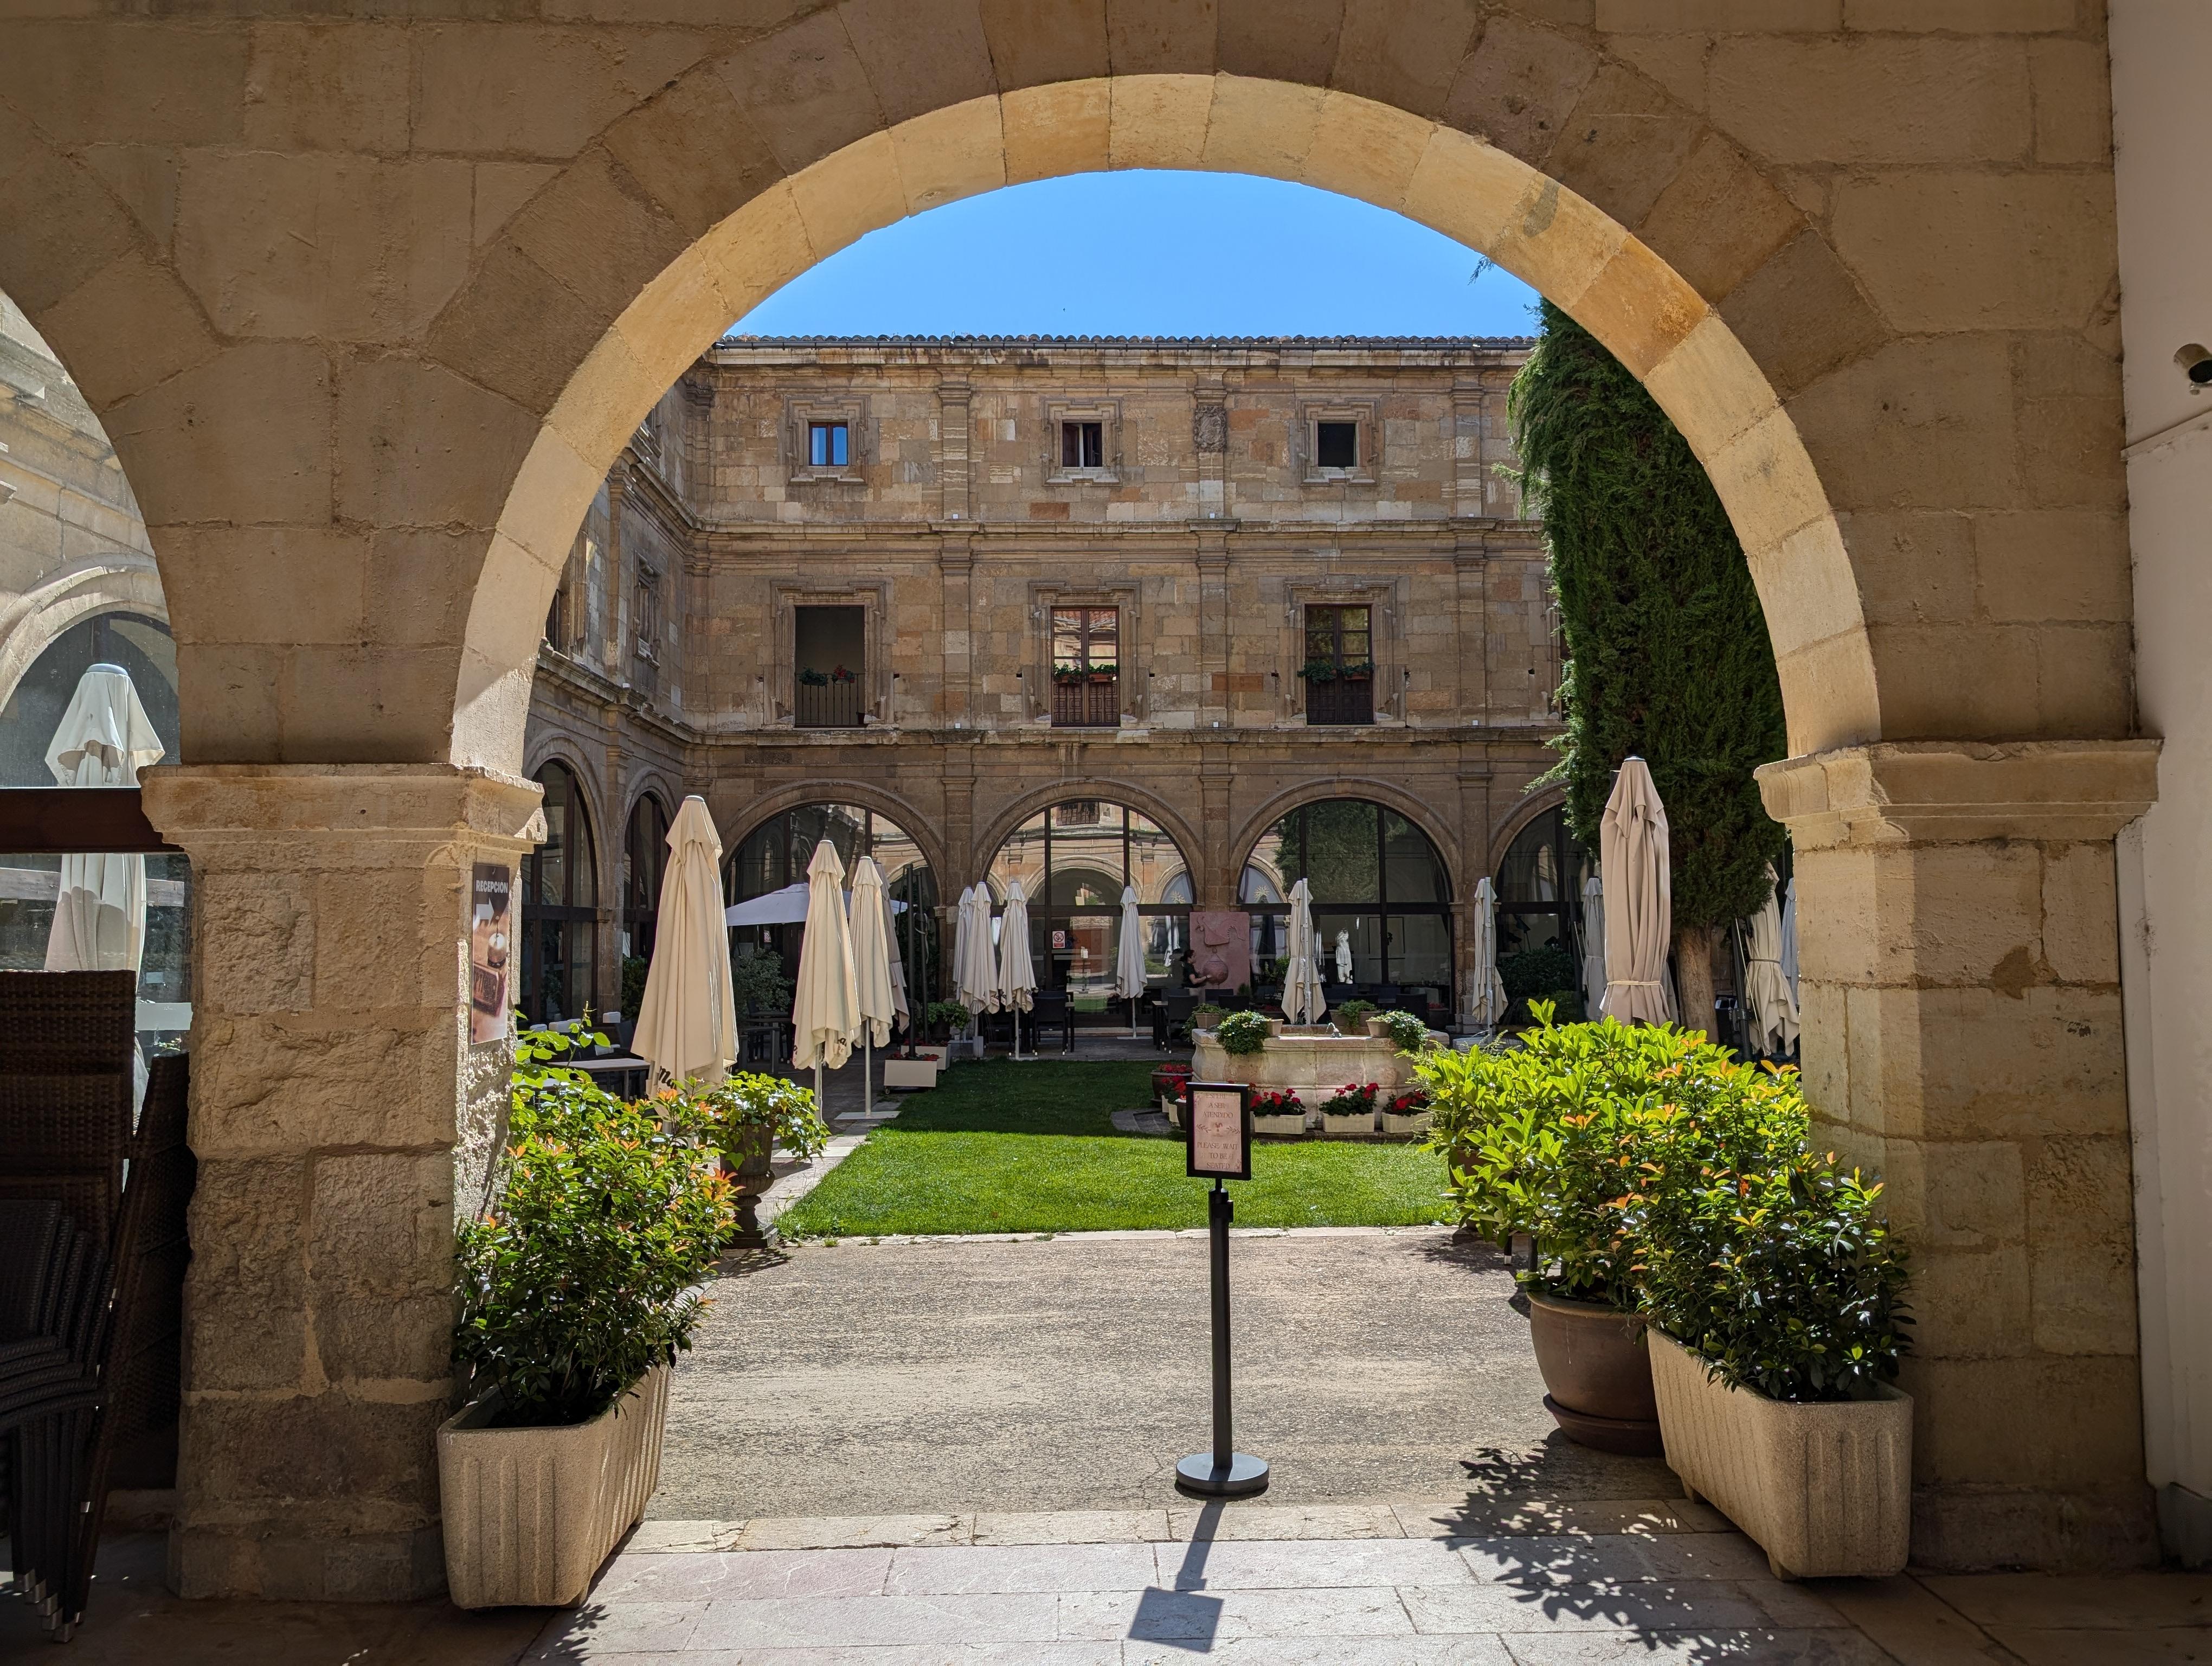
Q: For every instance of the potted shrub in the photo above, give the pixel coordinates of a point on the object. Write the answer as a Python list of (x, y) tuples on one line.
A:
[(1406, 1113), (1407, 1032), (744, 1120), (1350, 1017), (1776, 1295), (1242, 1033), (1351, 1109), (1279, 1112), (1205, 1015), (945, 1019), (1541, 1141), (576, 1289)]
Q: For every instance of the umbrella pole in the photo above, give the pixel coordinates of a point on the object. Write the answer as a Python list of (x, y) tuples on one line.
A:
[(821, 1106), (867, 1075)]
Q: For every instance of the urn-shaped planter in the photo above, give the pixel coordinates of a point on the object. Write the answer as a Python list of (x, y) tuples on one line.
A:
[(1826, 1488), (1597, 1373), (530, 1514)]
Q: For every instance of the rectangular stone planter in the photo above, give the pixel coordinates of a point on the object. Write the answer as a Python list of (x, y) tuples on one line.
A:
[(1359, 1122), (1417, 1122), (910, 1073), (530, 1514), (1826, 1490), (1171, 1108), (1278, 1125)]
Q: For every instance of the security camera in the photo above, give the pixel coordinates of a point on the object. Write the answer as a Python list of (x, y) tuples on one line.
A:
[(2196, 362)]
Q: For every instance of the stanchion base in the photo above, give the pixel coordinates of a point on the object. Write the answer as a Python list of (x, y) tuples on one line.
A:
[(1245, 1475)]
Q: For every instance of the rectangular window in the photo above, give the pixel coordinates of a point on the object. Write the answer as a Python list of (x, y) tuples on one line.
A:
[(829, 445), (1086, 666), (828, 647), (647, 601), (1336, 445), (1339, 665), (1082, 445)]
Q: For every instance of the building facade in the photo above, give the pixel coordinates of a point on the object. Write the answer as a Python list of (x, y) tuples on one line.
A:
[(1194, 618)]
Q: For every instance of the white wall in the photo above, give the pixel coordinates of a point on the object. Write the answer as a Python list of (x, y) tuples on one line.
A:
[(2161, 53)]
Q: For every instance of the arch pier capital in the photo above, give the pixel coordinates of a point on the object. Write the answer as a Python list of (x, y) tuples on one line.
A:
[(340, 1115), (1960, 983)]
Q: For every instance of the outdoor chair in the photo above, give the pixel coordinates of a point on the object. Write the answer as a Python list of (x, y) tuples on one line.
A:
[(1052, 1010), (1170, 1012), (1335, 995)]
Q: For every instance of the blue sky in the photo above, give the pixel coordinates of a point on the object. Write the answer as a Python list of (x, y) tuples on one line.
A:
[(1146, 252)]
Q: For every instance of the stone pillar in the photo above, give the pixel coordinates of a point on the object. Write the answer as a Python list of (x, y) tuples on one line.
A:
[(956, 571), (1212, 625), (340, 1117), (1959, 944)]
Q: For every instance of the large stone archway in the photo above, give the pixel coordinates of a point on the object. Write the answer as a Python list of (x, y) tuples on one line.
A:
[(368, 307)]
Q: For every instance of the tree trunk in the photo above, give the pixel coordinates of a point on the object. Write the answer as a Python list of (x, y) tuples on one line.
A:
[(1694, 974)]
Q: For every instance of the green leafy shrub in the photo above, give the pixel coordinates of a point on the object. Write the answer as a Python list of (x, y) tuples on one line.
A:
[(1550, 1138), (758, 986), (1351, 1017), (1528, 973), (1243, 1032), (1407, 1032), (634, 969), (949, 1016), (746, 1103), (1773, 1265), (578, 1279)]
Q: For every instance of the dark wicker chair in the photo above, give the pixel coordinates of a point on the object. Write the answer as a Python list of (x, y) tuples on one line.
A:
[(1052, 1010)]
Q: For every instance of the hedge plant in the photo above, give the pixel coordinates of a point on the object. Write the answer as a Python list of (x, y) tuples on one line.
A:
[(579, 1277)]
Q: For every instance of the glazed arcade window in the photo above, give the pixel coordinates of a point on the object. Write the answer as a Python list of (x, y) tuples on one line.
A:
[(1336, 445), (1082, 445), (829, 445)]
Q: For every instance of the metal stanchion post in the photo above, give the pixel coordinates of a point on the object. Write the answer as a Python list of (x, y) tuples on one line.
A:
[(1224, 1471)]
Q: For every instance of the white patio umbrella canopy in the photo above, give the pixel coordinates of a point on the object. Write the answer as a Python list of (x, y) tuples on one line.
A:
[(687, 1023), (104, 739), (1593, 945), (825, 1016), (1487, 998), (1303, 1001), (1129, 980), (1639, 899), (1017, 974), (1788, 956), (1766, 988), (870, 921), (975, 971), (901, 1015)]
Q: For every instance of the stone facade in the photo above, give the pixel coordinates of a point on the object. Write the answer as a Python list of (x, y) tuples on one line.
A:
[(956, 529), (371, 305)]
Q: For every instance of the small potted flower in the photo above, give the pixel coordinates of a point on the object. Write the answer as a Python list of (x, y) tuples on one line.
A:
[(1169, 1083), (1406, 1032), (1243, 1033), (1351, 1109), (1406, 1112), (1067, 676), (1350, 1017), (1279, 1112)]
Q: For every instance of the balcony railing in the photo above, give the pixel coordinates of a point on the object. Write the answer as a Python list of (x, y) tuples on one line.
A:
[(1340, 700), (1093, 703), (832, 705)]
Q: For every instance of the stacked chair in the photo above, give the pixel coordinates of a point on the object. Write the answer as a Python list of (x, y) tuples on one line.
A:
[(92, 1195)]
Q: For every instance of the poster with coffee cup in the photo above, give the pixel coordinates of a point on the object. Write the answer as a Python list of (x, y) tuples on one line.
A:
[(491, 914)]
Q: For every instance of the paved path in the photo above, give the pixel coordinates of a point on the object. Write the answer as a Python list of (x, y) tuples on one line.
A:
[(1071, 1373)]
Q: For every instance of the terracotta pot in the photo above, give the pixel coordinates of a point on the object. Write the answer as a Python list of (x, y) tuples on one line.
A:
[(1598, 1370), (1168, 1083), (1825, 1489)]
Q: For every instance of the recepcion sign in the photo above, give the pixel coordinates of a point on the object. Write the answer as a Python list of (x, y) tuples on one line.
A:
[(491, 931), (1220, 1131)]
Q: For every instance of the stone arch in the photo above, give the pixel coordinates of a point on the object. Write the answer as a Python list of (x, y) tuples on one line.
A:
[(1389, 796), (683, 290), (1524, 811), (653, 783), (1009, 818), (68, 598), (910, 816)]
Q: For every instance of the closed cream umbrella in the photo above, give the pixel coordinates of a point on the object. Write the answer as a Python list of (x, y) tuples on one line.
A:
[(687, 1023), (1639, 922), (1788, 956), (1593, 945), (1488, 989), (825, 1013), (975, 971), (1767, 987), (1017, 986), (1129, 980), (868, 917), (902, 1014), (1303, 1001), (104, 739)]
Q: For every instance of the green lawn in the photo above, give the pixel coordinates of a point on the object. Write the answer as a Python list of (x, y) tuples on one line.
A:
[(1005, 1148)]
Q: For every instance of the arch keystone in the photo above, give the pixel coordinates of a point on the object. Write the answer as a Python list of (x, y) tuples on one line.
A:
[(1065, 128), (1159, 121)]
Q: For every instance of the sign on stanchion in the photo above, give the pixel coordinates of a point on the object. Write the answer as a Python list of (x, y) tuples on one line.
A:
[(1221, 1150)]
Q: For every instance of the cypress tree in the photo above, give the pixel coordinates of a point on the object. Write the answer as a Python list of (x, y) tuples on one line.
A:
[(1667, 652)]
